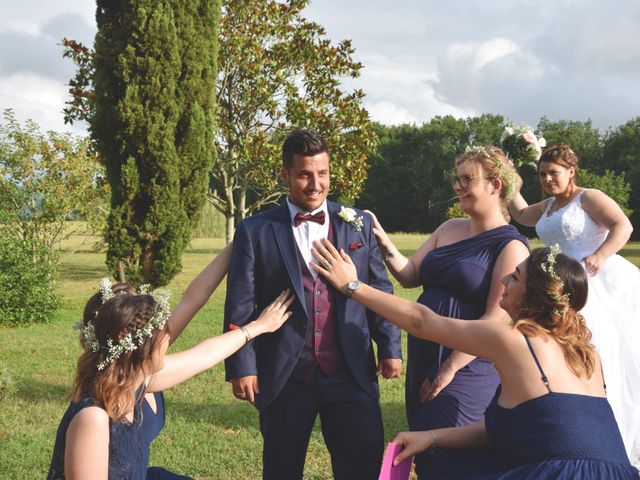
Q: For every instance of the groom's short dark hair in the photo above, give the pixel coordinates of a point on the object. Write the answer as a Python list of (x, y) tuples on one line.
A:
[(302, 141)]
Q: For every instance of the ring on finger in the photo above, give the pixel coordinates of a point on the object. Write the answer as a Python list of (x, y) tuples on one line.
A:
[(326, 265)]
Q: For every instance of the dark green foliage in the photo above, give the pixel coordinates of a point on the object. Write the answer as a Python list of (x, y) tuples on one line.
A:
[(613, 185), (408, 185), (27, 294), (583, 139), (622, 154), (154, 82)]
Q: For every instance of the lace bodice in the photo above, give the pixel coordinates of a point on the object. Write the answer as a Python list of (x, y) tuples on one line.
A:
[(572, 228)]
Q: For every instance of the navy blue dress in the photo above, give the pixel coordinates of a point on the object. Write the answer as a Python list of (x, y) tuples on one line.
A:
[(456, 280), (562, 436), (152, 424), (128, 456)]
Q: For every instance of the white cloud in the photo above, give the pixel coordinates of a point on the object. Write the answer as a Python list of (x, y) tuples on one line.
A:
[(566, 59), (38, 98)]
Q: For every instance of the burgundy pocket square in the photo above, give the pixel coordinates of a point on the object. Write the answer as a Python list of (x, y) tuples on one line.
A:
[(353, 246)]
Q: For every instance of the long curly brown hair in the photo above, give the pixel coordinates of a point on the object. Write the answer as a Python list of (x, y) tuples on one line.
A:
[(114, 387), (551, 306)]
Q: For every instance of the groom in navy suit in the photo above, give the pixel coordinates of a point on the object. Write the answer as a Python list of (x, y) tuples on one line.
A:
[(321, 362)]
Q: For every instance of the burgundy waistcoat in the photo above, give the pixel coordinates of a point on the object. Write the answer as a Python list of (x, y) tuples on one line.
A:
[(321, 346)]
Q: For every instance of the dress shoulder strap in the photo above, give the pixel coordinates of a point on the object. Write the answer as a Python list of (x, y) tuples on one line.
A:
[(543, 376)]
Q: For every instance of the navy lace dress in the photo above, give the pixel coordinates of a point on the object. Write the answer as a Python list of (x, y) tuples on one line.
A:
[(456, 280), (153, 423), (128, 456)]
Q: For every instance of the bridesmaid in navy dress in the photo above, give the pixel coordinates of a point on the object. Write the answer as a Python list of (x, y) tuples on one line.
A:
[(152, 418), (126, 335), (550, 418), (459, 267)]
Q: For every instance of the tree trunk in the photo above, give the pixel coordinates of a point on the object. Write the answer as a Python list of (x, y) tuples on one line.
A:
[(231, 227)]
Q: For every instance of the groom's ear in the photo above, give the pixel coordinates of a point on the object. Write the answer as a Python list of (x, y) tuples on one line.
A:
[(284, 175)]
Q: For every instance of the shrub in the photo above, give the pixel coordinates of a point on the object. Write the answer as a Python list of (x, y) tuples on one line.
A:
[(454, 211), (614, 185), (27, 294)]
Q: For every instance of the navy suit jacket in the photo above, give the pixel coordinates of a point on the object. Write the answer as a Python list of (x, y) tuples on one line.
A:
[(264, 262)]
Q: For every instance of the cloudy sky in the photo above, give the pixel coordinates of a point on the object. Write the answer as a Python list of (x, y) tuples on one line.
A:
[(564, 59)]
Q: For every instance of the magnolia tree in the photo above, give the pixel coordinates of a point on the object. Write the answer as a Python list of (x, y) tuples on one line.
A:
[(278, 71)]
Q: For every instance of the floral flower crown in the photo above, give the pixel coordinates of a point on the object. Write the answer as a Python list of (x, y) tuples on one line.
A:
[(522, 145), (132, 340), (508, 176), (548, 266)]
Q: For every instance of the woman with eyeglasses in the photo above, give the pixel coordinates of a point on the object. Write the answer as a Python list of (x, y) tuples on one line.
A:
[(459, 268), (590, 227)]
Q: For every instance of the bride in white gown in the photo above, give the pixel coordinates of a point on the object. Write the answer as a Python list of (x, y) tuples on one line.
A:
[(590, 227)]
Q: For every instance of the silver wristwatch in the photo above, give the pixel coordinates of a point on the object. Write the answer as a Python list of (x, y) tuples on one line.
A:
[(352, 286)]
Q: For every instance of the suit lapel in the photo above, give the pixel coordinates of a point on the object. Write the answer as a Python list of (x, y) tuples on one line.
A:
[(341, 238), (339, 226), (289, 251)]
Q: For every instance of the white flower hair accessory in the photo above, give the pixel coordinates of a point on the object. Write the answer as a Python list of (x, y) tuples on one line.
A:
[(348, 215), (508, 176), (130, 342), (522, 145), (548, 266)]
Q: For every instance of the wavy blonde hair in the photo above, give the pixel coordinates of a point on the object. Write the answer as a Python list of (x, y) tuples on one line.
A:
[(551, 307), (495, 164)]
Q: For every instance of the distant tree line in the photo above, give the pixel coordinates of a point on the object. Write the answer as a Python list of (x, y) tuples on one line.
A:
[(408, 183)]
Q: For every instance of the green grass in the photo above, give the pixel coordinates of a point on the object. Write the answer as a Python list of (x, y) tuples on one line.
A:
[(209, 434)]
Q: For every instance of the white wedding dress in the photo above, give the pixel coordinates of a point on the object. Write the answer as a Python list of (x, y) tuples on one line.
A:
[(612, 312)]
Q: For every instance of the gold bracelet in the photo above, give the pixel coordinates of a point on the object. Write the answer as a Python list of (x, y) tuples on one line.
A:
[(247, 335), (433, 437)]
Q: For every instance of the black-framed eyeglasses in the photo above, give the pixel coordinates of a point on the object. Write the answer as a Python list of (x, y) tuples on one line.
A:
[(463, 180)]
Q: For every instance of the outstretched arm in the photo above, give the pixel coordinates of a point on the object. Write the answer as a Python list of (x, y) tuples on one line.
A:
[(198, 292), (405, 270), (385, 334), (482, 338), (181, 366), (469, 436)]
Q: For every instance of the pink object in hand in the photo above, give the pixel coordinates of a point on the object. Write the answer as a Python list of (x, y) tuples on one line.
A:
[(399, 472)]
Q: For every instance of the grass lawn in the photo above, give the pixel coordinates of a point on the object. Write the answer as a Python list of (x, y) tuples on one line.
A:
[(209, 434)]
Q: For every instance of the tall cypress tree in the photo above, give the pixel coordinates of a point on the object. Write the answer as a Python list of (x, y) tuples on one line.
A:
[(155, 77)]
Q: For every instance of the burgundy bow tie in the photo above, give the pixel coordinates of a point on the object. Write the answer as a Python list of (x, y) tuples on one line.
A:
[(308, 217)]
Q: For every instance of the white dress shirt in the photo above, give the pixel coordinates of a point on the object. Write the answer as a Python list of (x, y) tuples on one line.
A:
[(308, 232)]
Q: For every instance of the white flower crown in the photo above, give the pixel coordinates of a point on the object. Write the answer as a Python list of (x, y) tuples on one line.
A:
[(508, 177), (132, 340)]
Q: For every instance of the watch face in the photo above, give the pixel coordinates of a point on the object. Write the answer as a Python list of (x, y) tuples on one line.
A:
[(352, 286)]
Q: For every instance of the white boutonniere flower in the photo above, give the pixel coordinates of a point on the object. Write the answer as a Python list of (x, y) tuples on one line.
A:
[(349, 216)]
